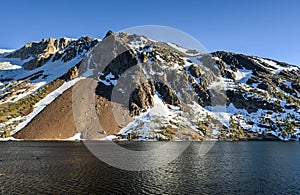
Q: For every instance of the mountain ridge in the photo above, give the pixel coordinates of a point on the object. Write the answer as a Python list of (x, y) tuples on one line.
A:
[(260, 95)]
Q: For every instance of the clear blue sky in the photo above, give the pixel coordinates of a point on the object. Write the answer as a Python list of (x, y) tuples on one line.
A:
[(267, 28)]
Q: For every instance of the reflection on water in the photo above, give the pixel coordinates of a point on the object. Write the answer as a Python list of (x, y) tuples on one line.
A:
[(229, 167)]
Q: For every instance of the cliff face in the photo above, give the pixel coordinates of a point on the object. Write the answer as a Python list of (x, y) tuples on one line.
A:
[(37, 54), (171, 92)]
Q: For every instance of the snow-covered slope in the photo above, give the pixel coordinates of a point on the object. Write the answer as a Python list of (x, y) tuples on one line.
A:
[(25, 90)]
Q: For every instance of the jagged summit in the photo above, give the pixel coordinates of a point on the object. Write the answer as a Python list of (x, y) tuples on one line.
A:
[(109, 33), (255, 98), (36, 48), (37, 54)]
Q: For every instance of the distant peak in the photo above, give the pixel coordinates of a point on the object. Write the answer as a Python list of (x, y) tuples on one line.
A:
[(109, 33)]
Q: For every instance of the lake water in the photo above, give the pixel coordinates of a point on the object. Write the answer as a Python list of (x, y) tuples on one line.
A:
[(229, 167)]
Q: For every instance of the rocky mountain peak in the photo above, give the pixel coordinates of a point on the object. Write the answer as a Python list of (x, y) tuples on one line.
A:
[(156, 67), (109, 33), (36, 54), (260, 96)]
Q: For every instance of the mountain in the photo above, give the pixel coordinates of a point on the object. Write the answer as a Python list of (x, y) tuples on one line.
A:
[(144, 89)]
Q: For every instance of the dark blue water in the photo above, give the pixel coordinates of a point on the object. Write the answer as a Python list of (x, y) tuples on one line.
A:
[(228, 168)]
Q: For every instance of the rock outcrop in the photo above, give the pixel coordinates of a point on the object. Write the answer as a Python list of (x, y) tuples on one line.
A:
[(36, 54)]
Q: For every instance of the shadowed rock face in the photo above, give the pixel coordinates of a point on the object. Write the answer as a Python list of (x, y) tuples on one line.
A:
[(71, 73), (265, 77), (114, 58), (140, 74), (261, 70), (251, 104), (239, 61)]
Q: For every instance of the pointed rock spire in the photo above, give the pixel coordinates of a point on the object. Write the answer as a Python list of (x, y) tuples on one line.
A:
[(109, 33)]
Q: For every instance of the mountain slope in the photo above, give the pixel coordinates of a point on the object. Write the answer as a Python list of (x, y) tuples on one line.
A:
[(264, 94), (34, 75), (157, 91)]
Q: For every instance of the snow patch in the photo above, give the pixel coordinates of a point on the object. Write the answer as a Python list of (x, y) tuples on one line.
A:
[(145, 124), (242, 75), (2, 51), (277, 68), (182, 49), (76, 137), (8, 66), (10, 139)]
